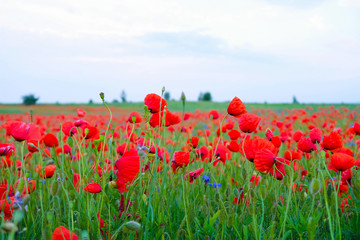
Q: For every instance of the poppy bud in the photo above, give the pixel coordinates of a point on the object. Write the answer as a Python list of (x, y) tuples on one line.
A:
[(20, 185), (9, 227), (315, 186), (70, 141), (55, 188), (50, 162), (163, 89), (133, 226), (113, 184), (183, 98), (102, 95)]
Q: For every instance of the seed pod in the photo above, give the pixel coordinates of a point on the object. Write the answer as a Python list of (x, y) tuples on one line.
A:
[(315, 186), (133, 226), (9, 227)]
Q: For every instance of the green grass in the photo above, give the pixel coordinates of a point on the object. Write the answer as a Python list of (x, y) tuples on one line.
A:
[(173, 208), (175, 106)]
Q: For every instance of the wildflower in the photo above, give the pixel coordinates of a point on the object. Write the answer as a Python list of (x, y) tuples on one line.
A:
[(62, 233), (128, 167), (153, 102), (93, 188), (248, 122), (341, 162), (236, 107)]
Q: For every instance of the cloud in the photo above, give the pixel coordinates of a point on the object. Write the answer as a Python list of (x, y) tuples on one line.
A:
[(262, 50)]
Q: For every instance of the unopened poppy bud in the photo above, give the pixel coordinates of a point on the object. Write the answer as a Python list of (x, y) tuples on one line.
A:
[(183, 98), (55, 188), (32, 145), (86, 131), (315, 186), (163, 89), (102, 95), (20, 185), (26, 199), (113, 184), (133, 119), (70, 141), (50, 162), (133, 226), (9, 227)]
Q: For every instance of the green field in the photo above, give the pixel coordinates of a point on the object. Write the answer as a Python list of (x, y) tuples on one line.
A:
[(175, 106)]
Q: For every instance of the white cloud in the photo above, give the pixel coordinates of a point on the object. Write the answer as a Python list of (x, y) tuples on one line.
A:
[(251, 42)]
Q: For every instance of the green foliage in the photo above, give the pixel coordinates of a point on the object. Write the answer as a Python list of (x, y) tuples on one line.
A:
[(29, 99), (205, 97), (123, 96), (295, 101), (167, 96)]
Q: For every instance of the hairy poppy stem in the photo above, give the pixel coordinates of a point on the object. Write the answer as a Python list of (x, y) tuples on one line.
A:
[(217, 144)]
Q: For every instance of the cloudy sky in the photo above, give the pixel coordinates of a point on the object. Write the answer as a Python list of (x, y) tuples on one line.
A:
[(258, 50)]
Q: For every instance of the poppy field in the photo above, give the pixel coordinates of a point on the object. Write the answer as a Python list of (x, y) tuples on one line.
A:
[(152, 172)]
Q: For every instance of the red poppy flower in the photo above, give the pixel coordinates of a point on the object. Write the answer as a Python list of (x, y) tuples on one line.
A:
[(276, 141), (153, 102), (81, 113), (298, 135), (252, 146), (93, 132), (170, 119), (134, 115), (48, 170), (264, 160), (279, 171), (255, 180), (93, 188), (315, 135), (31, 148), (180, 159), (64, 149), (248, 122), (50, 140), (341, 162), (291, 155), (194, 141), (357, 128), (21, 131), (306, 145), (233, 146), (236, 107), (68, 128), (81, 123), (195, 174), (128, 167), (7, 208), (332, 142), (6, 149), (214, 114), (204, 153), (6, 190), (234, 134), (62, 233), (222, 154), (269, 134)]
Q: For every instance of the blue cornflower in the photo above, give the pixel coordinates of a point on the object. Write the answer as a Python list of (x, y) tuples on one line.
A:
[(206, 179), (215, 185)]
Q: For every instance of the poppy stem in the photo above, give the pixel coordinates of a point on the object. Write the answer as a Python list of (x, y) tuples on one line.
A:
[(217, 144)]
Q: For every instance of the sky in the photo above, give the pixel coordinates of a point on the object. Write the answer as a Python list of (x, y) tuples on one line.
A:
[(259, 50)]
